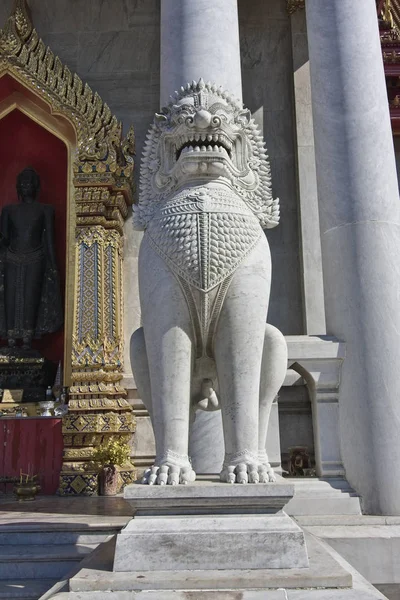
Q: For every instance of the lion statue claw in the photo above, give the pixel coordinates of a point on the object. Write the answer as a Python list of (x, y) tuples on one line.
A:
[(204, 282)]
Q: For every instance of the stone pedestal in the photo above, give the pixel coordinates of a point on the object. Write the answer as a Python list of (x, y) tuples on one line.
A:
[(191, 527)]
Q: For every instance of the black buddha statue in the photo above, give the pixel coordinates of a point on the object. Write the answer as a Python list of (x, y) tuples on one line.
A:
[(30, 301)]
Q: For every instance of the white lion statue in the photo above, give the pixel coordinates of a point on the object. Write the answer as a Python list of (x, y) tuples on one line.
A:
[(204, 280)]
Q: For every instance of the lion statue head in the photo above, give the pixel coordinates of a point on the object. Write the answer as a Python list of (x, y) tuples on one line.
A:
[(204, 135)]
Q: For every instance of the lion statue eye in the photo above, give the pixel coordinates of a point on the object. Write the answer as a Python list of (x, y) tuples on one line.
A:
[(216, 121)]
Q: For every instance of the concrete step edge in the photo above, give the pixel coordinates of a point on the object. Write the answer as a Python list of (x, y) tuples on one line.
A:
[(39, 553), (24, 589), (59, 527)]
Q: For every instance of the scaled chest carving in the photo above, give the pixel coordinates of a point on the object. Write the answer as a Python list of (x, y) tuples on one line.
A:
[(204, 235)]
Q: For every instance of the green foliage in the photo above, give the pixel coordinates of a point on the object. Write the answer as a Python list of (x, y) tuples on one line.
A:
[(113, 452)]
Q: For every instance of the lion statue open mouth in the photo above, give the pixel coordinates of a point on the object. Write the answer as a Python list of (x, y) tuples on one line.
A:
[(204, 278)]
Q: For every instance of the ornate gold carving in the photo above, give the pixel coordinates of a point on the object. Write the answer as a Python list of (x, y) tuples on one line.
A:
[(18, 28), (89, 404), (293, 5), (392, 57), (83, 377), (79, 440), (111, 422), (101, 168), (82, 484), (78, 453), (98, 336), (386, 13), (74, 482), (100, 148), (389, 21)]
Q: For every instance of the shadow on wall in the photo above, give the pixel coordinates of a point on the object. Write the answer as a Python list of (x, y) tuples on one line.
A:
[(267, 75)]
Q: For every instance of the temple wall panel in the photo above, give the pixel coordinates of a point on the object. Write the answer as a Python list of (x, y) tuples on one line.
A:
[(267, 73)]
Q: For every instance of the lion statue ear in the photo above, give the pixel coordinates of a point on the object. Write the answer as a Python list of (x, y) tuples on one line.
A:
[(244, 116), (160, 118)]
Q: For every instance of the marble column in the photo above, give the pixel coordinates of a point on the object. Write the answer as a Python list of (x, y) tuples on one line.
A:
[(359, 212), (199, 39), (310, 240)]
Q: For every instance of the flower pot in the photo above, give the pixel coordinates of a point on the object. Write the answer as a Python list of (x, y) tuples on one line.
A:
[(26, 491), (108, 480)]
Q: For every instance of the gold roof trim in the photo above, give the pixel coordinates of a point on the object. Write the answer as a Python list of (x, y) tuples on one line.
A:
[(99, 133)]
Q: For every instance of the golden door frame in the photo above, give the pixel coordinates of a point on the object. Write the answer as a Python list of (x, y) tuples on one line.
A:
[(100, 189)]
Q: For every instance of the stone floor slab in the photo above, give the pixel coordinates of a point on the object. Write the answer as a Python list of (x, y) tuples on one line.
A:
[(96, 574), (177, 595), (24, 588)]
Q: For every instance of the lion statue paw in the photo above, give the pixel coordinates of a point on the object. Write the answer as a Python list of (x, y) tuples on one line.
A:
[(247, 469), (170, 471)]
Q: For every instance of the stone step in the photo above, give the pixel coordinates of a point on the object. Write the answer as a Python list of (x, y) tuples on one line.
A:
[(111, 596), (346, 520), (329, 577), (281, 594), (24, 589), (25, 536), (371, 544), (319, 485), (315, 496), (40, 562)]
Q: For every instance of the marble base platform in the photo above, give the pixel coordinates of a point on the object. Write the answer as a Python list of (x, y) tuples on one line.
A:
[(192, 527), (96, 574)]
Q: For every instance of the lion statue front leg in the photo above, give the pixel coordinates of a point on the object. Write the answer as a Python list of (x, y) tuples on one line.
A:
[(163, 355), (251, 359)]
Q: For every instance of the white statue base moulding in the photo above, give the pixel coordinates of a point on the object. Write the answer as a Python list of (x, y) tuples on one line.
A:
[(192, 527)]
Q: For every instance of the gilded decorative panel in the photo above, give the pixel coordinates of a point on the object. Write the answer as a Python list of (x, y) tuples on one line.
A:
[(101, 186)]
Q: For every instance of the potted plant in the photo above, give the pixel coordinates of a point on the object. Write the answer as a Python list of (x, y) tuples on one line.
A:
[(27, 487), (110, 455)]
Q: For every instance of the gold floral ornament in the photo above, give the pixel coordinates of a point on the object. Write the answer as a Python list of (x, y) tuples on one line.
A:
[(17, 30)]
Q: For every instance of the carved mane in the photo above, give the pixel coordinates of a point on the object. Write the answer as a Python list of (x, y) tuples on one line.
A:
[(259, 199)]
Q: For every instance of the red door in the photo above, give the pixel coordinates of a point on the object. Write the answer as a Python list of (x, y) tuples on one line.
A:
[(33, 446)]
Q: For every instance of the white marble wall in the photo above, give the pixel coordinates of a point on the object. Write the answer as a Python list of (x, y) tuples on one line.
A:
[(267, 75), (310, 237)]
